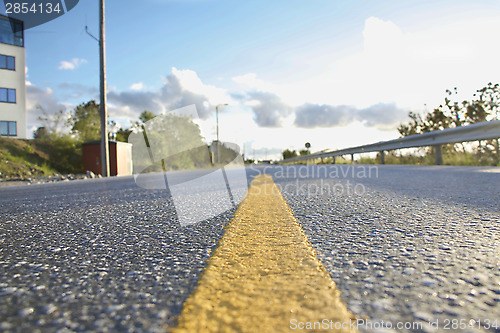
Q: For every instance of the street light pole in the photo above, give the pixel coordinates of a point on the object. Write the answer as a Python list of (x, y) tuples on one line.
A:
[(103, 109), (217, 122)]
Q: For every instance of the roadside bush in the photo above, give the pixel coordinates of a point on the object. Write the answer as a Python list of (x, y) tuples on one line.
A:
[(65, 153)]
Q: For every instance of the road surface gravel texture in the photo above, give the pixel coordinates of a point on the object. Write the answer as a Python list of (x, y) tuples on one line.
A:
[(403, 244), (412, 245), (101, 255)]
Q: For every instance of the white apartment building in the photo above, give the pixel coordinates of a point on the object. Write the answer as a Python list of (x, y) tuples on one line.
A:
[(12, 78)]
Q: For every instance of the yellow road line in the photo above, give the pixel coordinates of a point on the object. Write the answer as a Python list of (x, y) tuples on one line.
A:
[(264, 276)]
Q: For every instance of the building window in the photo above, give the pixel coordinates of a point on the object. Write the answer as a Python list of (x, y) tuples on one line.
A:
[(11, 31), (7, 95), (11, 63), (8, 128), (7, 62)]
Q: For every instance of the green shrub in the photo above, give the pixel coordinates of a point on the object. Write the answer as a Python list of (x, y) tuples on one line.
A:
[(64, 153)]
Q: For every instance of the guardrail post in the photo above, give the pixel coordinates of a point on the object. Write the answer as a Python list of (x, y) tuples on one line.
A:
[(382, 157), (438, 155), (333, 160)]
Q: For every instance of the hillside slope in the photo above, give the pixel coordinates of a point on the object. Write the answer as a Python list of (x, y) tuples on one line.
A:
[(21, 159)]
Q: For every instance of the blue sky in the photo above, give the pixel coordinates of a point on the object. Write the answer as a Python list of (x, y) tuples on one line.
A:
[(336, 73)]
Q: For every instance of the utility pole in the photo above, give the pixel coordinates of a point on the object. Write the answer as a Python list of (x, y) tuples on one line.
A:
[(104, 111)]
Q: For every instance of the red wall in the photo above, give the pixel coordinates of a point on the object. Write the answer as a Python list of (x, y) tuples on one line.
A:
[(119, 158)]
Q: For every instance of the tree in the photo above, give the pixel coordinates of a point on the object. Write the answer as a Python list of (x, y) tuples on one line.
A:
[(489, 97), (487, 107), (453, 110), (304, 152), (414, 127), (122, 134), (86, 121), (146, 116), (41, 133), (54, 125), (176, 140), (483, 107), (287, 153)]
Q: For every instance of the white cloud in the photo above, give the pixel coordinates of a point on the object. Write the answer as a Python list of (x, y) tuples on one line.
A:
[(137, 86), (385, 117), (382, 38), (180, 88), (269, 110), (314, 115), (251, 81), (189, 81), (72, 64), (413, 68)]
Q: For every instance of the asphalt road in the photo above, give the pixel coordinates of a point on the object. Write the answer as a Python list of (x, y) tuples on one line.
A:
[(102, 255), (410, 245), (403, 244)]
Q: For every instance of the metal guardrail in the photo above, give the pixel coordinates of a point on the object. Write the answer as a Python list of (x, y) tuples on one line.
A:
[(474, 132)]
